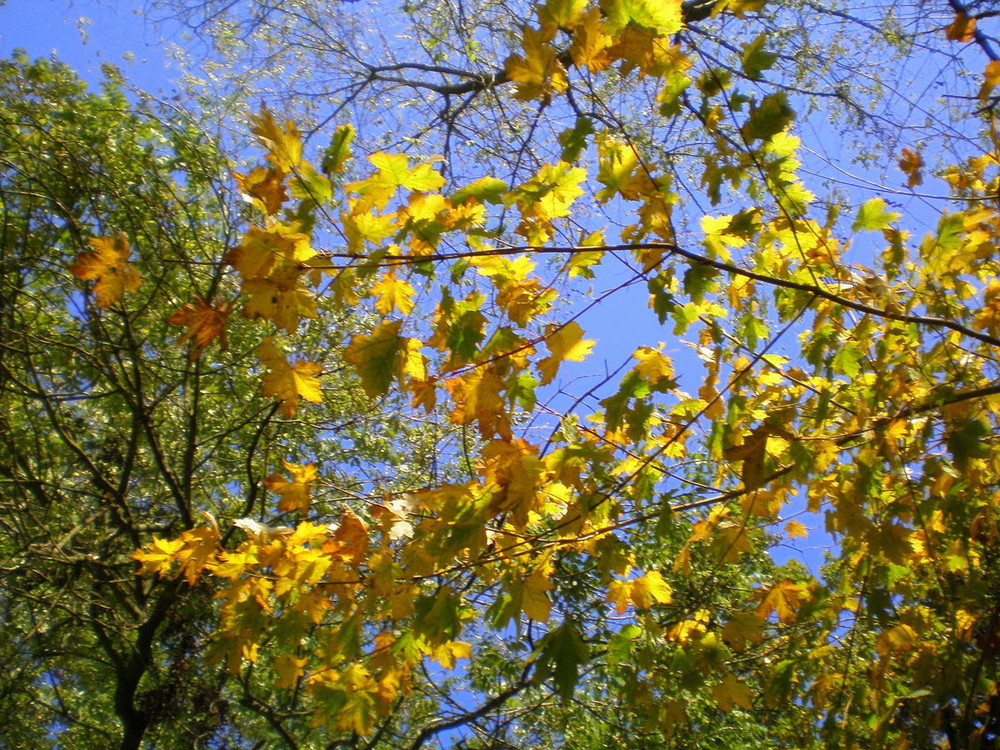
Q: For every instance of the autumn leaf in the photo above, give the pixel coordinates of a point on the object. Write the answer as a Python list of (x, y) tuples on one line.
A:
[(566, 344), (204, 322), (590, 42), (961, 29), (535, 602), (538, 71), (662, 16), (393, 294), (288, 382), (263, 188), (732, 692), (294, 492), (384, 355), (108, 264), (783, 598), (911, 164), (284, 142), (394, 172), (158, 557), (279, 298), (352, 533)]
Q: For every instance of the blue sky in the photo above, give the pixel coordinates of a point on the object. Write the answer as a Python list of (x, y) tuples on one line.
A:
[(86, 34)]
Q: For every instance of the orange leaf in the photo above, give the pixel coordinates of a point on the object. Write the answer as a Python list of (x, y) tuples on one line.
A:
[(910, 164), (108, 264), (962, 29), (352, 532), (204, 324)]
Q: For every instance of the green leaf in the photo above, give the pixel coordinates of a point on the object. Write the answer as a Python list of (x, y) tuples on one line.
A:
[(339, 150), (484, 190), (872, 216), (768, 118), (574, 140), (756, 59), (559, 656)]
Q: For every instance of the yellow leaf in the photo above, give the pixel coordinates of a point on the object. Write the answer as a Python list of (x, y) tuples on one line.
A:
[(650, 589), (394, 172), (991, 77), (352, 532), (158, 556), (535, 601), (796, 530), (294, 493), (288, 382), (654, 366), (393, 294), (108, 264), (565, 344), (284, 142), (279, 298), (538, 73), (590, 42), (784, 599), (263, 188), (289, 668), (898, 638), (662, 16), (619, 594), (448, 653), (263, 249)]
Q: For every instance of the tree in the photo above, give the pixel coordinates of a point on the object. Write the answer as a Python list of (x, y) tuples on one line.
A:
[(121, 423), (595, 567)]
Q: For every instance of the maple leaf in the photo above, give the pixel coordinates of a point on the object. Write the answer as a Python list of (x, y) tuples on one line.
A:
[(108, 264), (262, 249), (650, 589), (732, 692), (447, 653), (547, 196), (158, 556), (535, 602), (559, 654), (565, 343), (384, 355), (394, 172), (591, 42), (283, 141), (352, 533), (538, 72), (288, 382), (393, 294), (662, 16), (279, 298), (783, 598), (204, 322), (961, 29), (294, 492), (263, 188), (910, 164)]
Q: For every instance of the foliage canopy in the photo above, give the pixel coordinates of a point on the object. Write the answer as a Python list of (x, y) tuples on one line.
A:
[(346, 436)]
